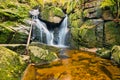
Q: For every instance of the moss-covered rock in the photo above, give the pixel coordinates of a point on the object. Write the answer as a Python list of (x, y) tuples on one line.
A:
[(7, 35), (39, 55), (49, 13), (4, 34), (11, 65), (90, 33), (104, 53), (112, 33), (116, 53), (88, 36)]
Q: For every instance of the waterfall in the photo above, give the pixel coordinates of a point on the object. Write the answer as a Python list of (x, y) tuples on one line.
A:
[(43, 29), (63, 31), (49, 36)]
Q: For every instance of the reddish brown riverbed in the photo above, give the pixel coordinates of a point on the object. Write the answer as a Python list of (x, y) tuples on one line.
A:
[(74, 65)]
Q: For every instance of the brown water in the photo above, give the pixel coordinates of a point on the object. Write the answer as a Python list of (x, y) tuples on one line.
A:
[(74, 65)]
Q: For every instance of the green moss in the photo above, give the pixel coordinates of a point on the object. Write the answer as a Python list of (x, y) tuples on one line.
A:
[(70, 6), (116, 53), (19, 38), (104, 53), (11, 65), (85, 35), (57, 12), (112, 33), (50, 11), (4, 34), (45, 13), (39, 55), (18, 49)]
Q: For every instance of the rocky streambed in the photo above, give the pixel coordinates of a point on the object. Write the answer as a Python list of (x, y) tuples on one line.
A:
[(74, 65)]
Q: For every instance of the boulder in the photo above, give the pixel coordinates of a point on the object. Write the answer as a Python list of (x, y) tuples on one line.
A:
[(39, 55), (112, 34), (90, 34), (116, 54), (52, 14), (11, 65)]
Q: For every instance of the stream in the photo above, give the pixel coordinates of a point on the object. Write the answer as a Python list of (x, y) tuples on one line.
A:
[(74, 65)]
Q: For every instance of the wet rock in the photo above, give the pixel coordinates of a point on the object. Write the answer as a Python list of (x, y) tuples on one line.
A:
[(116, 54)]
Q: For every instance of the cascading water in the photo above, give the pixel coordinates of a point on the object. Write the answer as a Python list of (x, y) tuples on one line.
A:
[(50, 34), (63, 31), (43, 29)]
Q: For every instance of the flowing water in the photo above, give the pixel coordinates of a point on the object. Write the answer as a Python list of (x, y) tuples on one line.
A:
[(74, 65), (43, 30), (62, 32)]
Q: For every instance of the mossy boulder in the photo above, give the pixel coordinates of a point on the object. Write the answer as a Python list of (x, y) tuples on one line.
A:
[(89, 34), (52, 14), (7, 35), (4, 34), (104, 53), (11, 65), (112, 33), (116, 54), (39, 55)]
